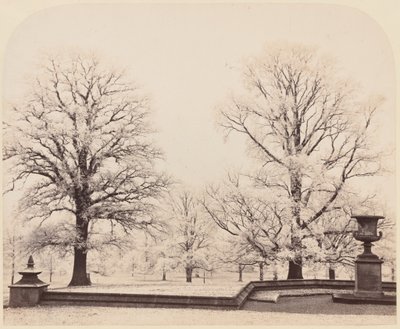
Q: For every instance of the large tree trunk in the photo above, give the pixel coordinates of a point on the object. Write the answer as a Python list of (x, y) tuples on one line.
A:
[(189, 271), (295, 266), (79, 276), (295, 270)]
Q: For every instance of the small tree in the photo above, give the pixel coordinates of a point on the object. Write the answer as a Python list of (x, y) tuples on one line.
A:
[(82, 143), (256, 223), (48, 261), (163, 252), (12, 246), (191, 233), (236, 252), (337, 242)]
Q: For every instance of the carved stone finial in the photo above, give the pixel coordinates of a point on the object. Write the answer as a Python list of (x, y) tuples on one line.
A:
[(31, 263)]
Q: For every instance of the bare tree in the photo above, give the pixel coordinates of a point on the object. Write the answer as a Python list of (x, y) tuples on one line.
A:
[(191, 234), (338, 243), (48, 260), (82, 143), (243, 255), (165, 259), (308, 130), (12, 246), (234, 253), (256, 223)]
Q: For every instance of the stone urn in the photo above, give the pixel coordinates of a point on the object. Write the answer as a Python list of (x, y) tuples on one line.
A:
[(368, 266)]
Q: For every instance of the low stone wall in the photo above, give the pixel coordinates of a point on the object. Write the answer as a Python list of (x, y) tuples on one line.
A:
[(229, 303), (313, 283), (133, 300)]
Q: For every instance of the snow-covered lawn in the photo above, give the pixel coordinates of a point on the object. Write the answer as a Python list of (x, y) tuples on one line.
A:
[(187, 290), (86, 315), (212, 287), (161, 288), (217, 286)]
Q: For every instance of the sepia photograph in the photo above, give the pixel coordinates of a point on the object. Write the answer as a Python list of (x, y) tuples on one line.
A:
[(199, 163)]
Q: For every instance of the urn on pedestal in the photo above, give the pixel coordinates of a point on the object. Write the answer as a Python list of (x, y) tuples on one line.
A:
[(368, 267)]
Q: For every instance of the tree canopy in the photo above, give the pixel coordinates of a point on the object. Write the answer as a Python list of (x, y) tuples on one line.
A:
[(82, 141), (309, 131)]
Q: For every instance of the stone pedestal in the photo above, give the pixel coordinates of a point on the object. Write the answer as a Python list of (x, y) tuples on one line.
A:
[(27, 295), (368, 281), (28, 290)]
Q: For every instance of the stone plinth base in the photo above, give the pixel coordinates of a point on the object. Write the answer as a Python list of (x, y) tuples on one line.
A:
[(354, 299), (26, 295), (368, 276)]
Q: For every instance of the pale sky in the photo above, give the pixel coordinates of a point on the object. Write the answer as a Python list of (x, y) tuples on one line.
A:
[(188, 57)]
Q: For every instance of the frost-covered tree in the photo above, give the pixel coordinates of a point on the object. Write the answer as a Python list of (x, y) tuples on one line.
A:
[(256, 223), (236, 252), (165, 262), (309, 131), (82, 144), (191, 234), (158, 255)]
